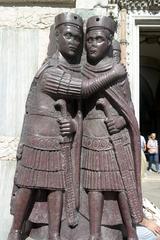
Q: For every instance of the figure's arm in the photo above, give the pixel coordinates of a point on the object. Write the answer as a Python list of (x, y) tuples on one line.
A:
[(61, 84), (151, 225), (117, 123), (125, 86)]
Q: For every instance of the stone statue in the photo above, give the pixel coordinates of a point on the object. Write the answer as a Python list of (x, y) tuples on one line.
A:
[(48, 155), (110, 143), (116, 51)]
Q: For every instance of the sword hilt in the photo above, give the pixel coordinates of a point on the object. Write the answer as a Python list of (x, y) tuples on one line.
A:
[(103, 103), (61, 104)]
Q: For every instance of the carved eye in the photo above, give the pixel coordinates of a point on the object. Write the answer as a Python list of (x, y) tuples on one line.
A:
[(68, 35), (89, 40), (99, 39), (77, 38)]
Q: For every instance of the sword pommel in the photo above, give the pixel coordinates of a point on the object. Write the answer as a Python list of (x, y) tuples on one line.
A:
[(61, 104), (103, 104)]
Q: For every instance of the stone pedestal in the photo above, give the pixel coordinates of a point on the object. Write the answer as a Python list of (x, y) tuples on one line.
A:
[(111, 220), (81, 232)]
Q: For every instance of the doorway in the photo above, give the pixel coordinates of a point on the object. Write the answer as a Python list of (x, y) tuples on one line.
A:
[(150, 81)]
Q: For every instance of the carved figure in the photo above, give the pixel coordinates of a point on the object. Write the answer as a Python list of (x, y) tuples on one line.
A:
[(41, 165), (44, 156), (110, 143), (116, 51)]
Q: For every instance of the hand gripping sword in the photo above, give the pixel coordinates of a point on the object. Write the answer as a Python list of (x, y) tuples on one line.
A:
[(121, 157), (70, 201)]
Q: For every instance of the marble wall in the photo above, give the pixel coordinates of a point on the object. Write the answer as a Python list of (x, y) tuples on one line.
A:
[(24, 38)]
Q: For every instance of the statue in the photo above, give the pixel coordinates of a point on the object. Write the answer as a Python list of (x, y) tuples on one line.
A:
[(48, 155), (110, 143), (116, 51)]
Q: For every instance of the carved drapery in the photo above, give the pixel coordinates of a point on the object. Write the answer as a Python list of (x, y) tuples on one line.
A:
[(151, 5)]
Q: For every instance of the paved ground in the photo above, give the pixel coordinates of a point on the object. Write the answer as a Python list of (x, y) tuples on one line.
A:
[(151, 187)]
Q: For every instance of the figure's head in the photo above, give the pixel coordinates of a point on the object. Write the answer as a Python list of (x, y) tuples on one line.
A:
[(116, 51), (99, 34), (69, 34)]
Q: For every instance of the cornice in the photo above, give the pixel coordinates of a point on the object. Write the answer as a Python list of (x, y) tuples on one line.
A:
[(150, 5), (53, 2)]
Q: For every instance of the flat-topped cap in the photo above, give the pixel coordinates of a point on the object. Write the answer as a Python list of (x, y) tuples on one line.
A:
[(101, 22), (68, 18)]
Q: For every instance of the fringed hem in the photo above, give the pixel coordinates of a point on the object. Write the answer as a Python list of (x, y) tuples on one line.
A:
[(42, 160), (31, 178), (112, 181), (102, 181)]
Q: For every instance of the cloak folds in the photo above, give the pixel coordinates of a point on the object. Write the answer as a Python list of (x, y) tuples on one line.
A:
[(119, 96)]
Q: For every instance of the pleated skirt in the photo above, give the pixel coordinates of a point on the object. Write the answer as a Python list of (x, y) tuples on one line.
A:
[(40, 169), (101, 171)]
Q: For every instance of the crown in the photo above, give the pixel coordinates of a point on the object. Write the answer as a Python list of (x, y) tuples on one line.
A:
[(101, 22), (68, 18)]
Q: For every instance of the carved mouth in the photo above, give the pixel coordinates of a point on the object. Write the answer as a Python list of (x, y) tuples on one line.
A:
[(72, 48), (92, 51)]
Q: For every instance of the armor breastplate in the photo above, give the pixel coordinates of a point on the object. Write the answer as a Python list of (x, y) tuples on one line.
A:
[(40, 127), (39, 103), (93, 124)]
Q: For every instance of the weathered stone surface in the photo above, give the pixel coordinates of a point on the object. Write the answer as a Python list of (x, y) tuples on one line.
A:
[(91, 4), (78, 233), (138, 5), (56, 2), (8, 147), (29, 17)]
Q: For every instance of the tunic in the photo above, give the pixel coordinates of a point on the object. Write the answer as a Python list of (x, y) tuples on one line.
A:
[(42, 163), (102, 165)]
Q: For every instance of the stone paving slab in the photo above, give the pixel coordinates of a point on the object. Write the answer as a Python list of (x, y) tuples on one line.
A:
[(151, 187)]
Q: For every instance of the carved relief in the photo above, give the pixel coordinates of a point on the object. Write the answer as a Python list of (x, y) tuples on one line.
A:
[(8, 147), (28, 17), (151, 5)]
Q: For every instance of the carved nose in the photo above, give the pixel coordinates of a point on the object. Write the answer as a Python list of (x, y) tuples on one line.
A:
[(73, 41), (94, 42)]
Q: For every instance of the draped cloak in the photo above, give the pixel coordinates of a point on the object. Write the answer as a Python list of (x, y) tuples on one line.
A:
[(97, 173)]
